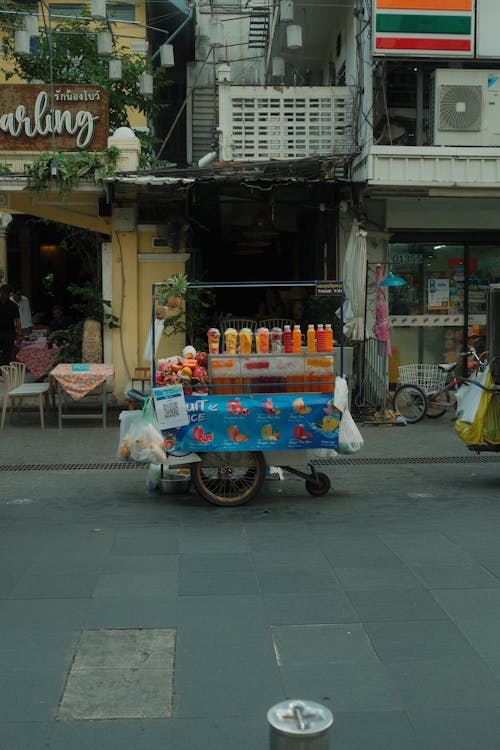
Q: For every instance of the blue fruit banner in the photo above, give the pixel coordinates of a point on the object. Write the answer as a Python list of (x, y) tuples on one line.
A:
[(258, 423)]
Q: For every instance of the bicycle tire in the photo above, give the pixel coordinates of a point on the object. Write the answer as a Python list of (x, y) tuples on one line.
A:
[(229, 478), (435, 410), (411, 402)]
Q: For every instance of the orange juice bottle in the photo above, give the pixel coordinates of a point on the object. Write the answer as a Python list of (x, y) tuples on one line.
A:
[(311, 338), (296, 339)]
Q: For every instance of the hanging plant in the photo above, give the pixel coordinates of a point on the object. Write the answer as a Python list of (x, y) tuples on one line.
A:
[(71, 169)]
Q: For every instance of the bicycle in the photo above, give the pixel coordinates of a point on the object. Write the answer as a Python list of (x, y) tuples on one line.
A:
[(429, 390)]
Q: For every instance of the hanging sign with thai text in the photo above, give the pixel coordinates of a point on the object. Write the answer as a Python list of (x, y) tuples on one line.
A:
[(74, 117)]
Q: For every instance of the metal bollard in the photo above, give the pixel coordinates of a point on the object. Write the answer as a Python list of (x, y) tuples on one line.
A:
[(299, 725)]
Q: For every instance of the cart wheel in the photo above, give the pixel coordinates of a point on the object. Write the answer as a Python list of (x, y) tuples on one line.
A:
[(411, 402), (435, 408), (231, 478), (318, 486)]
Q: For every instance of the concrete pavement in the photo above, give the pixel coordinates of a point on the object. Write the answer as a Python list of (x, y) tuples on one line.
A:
[(137, 620)]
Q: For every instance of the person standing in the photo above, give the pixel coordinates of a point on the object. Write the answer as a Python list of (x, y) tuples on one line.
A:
[(24, 310), (10, 325)]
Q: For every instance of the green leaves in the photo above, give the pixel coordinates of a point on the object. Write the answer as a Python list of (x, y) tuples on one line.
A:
[(72, 168), (71, 46)]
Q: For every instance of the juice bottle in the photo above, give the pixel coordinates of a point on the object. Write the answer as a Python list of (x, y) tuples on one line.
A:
[(320, 338), (296, 339), (328, 338), (311, 338), (287, 339)]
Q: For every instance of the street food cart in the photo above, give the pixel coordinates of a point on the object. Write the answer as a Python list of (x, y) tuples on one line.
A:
[(256, 409)]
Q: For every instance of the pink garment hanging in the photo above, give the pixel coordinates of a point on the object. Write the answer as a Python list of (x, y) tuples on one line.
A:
[(381, 327)]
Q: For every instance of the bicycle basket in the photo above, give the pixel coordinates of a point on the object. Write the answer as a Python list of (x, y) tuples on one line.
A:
[(428, 377)]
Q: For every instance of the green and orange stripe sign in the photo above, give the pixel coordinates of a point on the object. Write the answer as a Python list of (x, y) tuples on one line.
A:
[(430, 28)]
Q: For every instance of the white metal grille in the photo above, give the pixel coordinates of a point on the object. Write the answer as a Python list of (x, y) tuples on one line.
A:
[(288, 122)]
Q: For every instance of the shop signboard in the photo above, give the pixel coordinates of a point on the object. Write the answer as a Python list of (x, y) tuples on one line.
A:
[(262, 422), (328, 288), (72, 117), (430, 28)]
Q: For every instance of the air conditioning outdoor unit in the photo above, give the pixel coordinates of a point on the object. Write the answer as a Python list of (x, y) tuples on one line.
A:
[(465, 107)]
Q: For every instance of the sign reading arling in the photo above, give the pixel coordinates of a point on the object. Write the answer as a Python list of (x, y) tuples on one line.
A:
[(79, 119)]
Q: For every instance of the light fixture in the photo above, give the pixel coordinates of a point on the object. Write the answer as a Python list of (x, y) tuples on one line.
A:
[(21, 42), (146, 84), (98, 10), (115, 70), (278, 67), (31, 25), (294, 36), (286, 11), (167, 55), (216, 33), (224, 73), (392, 280), (104, 43)]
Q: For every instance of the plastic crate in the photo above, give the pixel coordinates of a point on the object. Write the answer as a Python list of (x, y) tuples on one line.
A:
[(428, 377)]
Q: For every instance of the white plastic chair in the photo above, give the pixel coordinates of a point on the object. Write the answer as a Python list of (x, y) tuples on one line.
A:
[(15, 390), (238, 323), (275, 323)]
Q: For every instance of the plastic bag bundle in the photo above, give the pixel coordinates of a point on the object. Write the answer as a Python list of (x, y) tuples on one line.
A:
[(341, 394), (350, 438), (140, 438), (485, 426), (469, 397)]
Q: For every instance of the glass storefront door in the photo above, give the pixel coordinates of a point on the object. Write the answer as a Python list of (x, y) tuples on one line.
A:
[(441, 302)]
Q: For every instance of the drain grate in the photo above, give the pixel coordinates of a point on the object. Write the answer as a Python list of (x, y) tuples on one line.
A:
[(72, 467), (113, 465), (407, 460)]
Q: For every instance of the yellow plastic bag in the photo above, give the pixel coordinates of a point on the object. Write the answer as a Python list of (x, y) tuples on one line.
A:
[(492, 422), (472, 433), (486, 424)]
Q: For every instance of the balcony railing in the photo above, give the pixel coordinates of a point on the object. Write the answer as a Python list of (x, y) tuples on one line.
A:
[(259, 123), (428, 167)]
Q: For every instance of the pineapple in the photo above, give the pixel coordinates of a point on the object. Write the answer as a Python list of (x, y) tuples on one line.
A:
[(177, 288)]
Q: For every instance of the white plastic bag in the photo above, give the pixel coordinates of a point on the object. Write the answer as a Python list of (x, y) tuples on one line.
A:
[(140, 439), (341, 394), (128, 419), (350, 439), (153, 477), (469, 397)]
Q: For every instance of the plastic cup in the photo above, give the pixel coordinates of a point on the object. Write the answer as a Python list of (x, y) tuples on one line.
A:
[(246, 337), (230, 340), (213, 341)]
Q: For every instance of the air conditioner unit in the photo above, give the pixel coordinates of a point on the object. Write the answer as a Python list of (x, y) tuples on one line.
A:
[(465, 107)]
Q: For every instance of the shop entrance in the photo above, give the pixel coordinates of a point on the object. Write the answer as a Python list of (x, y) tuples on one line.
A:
[(442, 309)]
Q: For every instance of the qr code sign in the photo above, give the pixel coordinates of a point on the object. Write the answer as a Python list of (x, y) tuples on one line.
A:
[(170, 409)]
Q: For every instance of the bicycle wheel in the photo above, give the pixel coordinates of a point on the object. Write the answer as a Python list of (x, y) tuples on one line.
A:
[(435, 406), (231, 478), (411, 402)]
